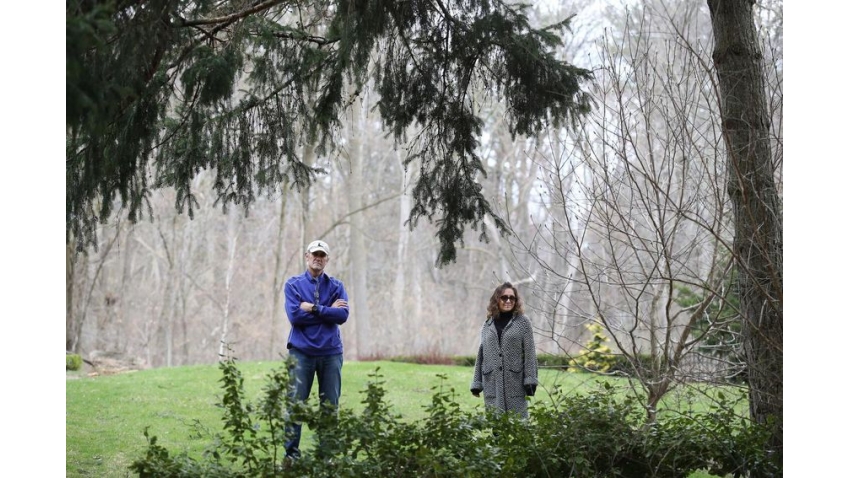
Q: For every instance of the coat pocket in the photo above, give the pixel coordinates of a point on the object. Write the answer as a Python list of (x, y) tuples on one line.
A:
[(488, 380), (514, 381)]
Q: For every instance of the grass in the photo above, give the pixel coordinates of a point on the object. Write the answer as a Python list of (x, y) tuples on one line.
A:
[(107, 415)]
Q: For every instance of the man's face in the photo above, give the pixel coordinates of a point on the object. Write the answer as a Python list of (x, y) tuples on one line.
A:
[(316, 261)]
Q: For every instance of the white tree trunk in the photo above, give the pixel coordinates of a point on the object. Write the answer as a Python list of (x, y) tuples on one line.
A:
[(234, 227), (358, 291)]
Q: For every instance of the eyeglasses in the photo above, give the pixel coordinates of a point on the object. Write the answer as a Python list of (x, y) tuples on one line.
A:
[(508, 298)]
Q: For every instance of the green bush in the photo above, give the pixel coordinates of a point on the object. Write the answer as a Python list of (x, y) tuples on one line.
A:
[(464, 360), (73, 362), (423, 359), (567, 435), (543, 360), (622, 364)]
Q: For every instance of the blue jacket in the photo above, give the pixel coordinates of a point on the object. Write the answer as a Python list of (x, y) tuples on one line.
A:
[(315, 334)]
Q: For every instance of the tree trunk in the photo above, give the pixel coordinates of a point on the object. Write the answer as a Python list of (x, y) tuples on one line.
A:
[(278, 279), (403, 258), (69, 296), (358, 293), (758, 216), (234, 228)]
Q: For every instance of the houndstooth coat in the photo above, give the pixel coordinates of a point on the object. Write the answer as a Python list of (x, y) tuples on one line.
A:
[(502, 370)]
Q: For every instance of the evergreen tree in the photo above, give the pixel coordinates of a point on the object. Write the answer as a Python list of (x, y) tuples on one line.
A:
[(159, 90)]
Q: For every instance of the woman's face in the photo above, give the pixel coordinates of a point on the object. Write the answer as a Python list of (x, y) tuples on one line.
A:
[(507, 300)]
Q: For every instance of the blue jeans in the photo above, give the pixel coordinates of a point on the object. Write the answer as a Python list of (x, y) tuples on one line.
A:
[(328, 368)]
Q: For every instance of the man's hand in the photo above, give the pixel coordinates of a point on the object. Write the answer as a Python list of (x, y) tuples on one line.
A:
[(339, 303), (476, 392)]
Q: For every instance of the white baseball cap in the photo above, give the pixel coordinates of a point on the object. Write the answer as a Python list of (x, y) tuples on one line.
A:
[(319, 246)]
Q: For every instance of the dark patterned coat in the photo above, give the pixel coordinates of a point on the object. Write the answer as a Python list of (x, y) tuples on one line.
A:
[(502, 369)]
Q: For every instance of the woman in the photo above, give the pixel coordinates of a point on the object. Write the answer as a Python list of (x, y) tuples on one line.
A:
[(506, 366)]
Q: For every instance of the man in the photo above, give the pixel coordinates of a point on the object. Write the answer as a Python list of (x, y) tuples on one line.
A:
[(316, 305)]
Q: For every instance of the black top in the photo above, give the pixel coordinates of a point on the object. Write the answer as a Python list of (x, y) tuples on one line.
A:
[(501, 321)]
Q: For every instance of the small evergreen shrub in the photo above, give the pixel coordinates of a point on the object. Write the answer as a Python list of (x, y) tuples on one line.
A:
[(596, 356), (73, 362)]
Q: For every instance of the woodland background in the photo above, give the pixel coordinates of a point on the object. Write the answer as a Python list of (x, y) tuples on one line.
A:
[(624, 222)]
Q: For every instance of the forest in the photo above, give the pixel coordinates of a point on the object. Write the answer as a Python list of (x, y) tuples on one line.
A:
[(620, 205)]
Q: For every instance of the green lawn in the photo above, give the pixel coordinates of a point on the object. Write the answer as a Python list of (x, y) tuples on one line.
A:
[(106, 415)]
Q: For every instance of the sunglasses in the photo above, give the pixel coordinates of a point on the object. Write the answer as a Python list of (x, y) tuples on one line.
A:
[(508, 298), (320, 254)]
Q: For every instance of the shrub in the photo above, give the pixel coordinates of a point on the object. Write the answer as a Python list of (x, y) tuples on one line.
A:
[(568, 435), (424, 359), (73, 362), (554, 361), (596, 356), (464, 360), (622, 364)]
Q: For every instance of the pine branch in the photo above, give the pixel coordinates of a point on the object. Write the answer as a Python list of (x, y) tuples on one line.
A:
[(228, 19)]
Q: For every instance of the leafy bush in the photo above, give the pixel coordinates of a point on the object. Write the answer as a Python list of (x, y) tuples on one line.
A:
[(566, 435), (73, 362)]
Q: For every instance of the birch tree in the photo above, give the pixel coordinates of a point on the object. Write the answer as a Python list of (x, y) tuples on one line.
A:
[(358, 251)]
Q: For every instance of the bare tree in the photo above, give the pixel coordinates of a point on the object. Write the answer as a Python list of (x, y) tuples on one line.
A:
[(85, 299), (635, 211)]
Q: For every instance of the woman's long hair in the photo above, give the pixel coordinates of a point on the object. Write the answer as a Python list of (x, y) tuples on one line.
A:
[(493, 306)]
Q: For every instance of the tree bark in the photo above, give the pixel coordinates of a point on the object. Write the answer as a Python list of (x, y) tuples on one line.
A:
[(70, 341), (756, 204)]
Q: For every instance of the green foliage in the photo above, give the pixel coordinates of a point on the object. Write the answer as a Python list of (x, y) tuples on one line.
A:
[(596, 356), (427, 359), (720, 324), (543, 360), (554, 361), (628, 366), (73, 362), (151, 97), (464, 360), (568, 435)]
